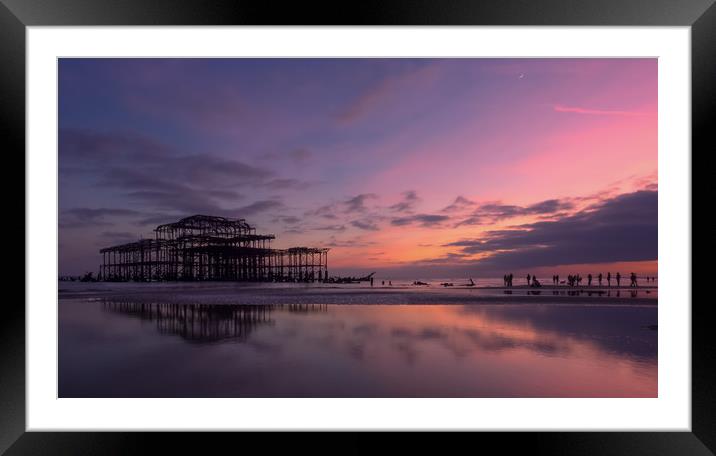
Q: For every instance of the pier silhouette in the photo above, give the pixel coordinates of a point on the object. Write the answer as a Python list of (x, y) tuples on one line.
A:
[(203, 247)]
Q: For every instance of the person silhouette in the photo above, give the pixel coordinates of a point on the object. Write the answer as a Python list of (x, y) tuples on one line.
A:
[(619, 279), (600, 279), (633, 280), (589, 279), (609, 279), (529, 277)]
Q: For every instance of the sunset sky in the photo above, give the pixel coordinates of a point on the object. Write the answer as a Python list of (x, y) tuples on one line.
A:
[(417, 168)]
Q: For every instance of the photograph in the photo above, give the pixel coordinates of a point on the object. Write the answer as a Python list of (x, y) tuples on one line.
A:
[(469, 221), (332, 227)]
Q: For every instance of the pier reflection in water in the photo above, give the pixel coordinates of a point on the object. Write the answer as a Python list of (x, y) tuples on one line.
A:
[(122, 348), (206, 323)]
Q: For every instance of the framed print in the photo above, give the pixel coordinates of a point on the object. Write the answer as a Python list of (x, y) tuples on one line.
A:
[(466, 219)]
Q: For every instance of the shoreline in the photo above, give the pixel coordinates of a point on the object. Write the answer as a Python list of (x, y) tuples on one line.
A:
[(354, 286), (243, 293)]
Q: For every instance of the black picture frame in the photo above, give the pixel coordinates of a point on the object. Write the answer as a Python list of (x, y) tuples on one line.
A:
[(16, 15)]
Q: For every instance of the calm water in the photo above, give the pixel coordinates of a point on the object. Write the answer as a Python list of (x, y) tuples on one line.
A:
[(196, 341)]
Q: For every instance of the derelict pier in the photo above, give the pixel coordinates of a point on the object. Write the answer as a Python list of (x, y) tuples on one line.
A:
[(203, 247)]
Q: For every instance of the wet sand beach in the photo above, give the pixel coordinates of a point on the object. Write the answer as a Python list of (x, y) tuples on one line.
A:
[(235, 340)]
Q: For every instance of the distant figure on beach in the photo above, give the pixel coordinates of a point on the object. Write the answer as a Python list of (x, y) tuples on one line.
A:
[(609, 279), (619, 279), (390, 283), (509, 279), (600, 279), (504, 279), (382, 283), (535, 282), (633, 280), (529, 277), (371, 281), (589, 279), (556, 279)]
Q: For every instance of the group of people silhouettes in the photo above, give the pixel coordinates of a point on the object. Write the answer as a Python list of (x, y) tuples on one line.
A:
[(532, 281), (574, 280)]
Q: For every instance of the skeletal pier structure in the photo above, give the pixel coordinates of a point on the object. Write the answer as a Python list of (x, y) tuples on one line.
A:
[(203, 247)]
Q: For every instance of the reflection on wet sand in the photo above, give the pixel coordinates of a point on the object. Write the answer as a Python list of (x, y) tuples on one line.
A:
[(206, 322), (319, 350), (589, 293)]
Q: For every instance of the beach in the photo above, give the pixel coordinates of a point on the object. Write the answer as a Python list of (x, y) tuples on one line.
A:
[(353, 340)]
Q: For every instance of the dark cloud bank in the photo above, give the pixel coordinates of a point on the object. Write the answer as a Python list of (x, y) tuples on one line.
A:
[(153, 176), (624, 228)]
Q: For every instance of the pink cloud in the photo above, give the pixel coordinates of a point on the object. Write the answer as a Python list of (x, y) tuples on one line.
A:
[(598, 112)]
